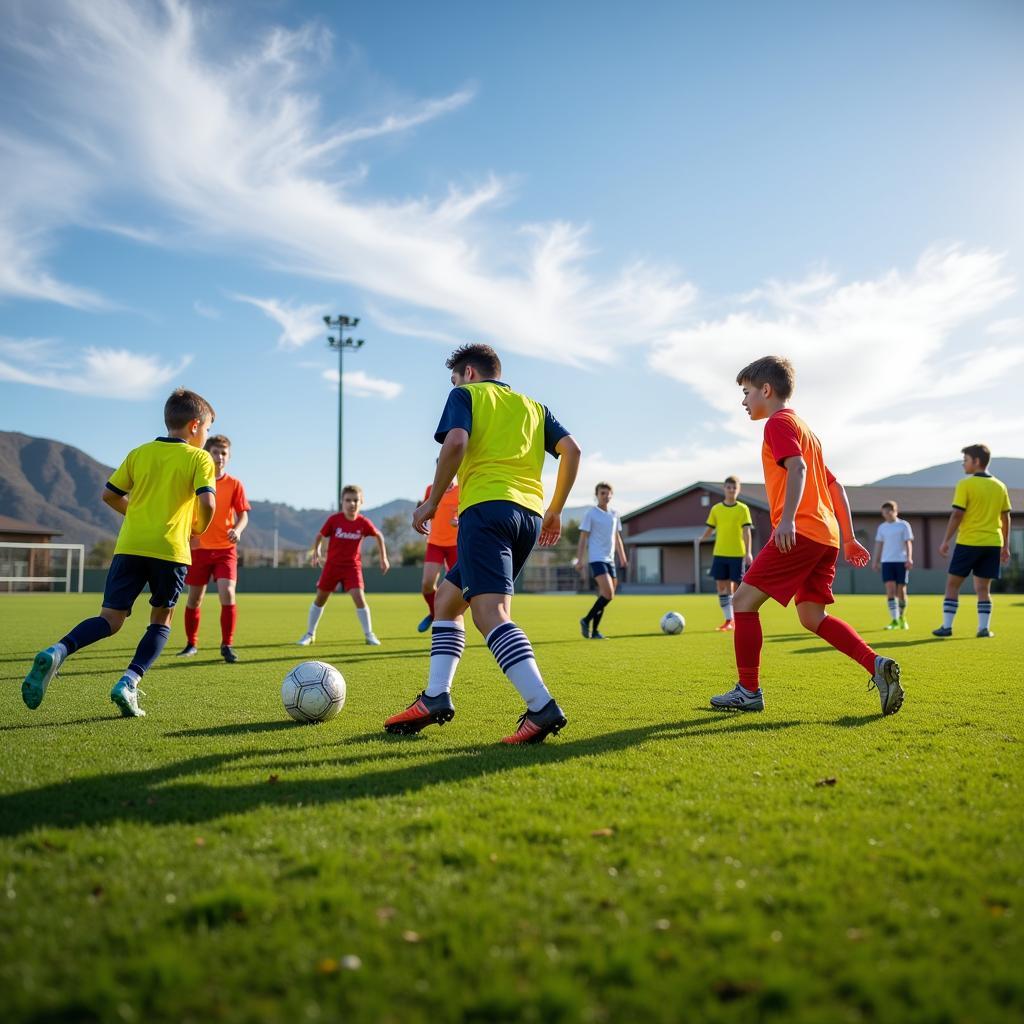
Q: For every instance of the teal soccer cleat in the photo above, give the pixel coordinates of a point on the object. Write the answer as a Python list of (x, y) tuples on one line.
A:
[(125, 695), (44, 668)]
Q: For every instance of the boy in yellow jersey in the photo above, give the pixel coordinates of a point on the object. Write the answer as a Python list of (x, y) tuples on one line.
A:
[(732, 526), (981, 521), (166, 491), (496, 440)]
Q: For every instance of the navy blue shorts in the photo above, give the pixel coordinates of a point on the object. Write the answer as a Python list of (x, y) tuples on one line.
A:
[(129, 574), (726, 567), (602, 569), (894, 572), (495, 539), (982, 561)]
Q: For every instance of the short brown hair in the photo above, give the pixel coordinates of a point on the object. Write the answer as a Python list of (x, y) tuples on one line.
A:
[(603, 483), (220, 440), (890, 504), (185, 406), (981, 452), (352, 489), (732, 480), (482, 358), (774, 370)]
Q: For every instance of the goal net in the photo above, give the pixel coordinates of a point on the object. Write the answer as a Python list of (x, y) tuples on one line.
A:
[(42, 567)]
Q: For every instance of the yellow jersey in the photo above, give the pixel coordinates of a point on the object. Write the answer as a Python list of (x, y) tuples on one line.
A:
[(983, 499), (161, 479), (728, 522)]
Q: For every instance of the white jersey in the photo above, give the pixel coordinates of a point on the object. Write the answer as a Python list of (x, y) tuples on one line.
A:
[(893, 537), (602, 528)]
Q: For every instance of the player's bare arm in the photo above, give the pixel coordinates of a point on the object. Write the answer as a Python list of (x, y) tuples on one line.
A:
[(876, 558), (569, 453), (796, 480), (382, 552), (909, 563), (748, 542), (1004, 555), (235, 533), (853, 551), (314, 551), (623, 557), (448, 462), (581, 550), (955, 518), (118, 502), (206, 505)]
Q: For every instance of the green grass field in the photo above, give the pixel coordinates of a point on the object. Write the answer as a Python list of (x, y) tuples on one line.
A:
[(657, 861)]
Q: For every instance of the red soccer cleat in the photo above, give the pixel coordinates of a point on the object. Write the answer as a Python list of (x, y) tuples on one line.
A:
[(423, 711), (729, 626), (534, 726)]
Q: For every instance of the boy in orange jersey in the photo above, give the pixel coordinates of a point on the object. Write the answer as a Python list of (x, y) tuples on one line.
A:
[(442, 551), (215, 556), (808, 506)]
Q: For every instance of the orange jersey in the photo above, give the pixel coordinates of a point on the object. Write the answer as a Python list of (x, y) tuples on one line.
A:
[(231, 502), (442, 533), (786, 435)]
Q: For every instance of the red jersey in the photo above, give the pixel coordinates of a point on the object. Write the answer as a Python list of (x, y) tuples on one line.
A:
[(346, 538), (786, 435), (231, 503)]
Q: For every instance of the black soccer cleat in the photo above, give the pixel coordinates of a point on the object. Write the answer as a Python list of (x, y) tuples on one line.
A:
[(227, 652), (536, 726), (585, 628), (423, 711)]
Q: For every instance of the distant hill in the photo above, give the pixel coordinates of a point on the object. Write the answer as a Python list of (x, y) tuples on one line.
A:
[(57, 485), (1010, 471)]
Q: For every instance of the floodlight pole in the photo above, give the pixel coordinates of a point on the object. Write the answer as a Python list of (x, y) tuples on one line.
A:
[(340, 342)]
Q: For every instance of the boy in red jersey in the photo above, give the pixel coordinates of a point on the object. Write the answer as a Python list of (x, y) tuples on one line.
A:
[(808, 505), (442, 546), (215, 556), (344, 532)]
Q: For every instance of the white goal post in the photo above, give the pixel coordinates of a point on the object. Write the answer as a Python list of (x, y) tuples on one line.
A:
[(24, 565)]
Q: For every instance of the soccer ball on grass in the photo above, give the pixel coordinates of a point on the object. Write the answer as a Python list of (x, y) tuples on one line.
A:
[(313, 692), (672, 623)]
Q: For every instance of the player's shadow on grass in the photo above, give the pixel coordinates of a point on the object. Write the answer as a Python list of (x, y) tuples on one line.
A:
[(59, 724), (898, 644), (171, 794)]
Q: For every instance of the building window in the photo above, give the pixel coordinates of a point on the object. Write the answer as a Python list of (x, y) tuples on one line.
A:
[(648, 565), (705, 500)]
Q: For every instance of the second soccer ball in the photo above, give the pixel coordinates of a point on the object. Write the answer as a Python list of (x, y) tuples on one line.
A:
[(672, 623)]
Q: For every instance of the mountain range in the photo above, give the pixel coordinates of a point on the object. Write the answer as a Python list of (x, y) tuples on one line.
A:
[(57, 485)]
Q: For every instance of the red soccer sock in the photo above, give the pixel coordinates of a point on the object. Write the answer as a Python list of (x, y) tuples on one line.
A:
[(228, 619), (747, 641), (430, 598), (843, 637), (191, 626)]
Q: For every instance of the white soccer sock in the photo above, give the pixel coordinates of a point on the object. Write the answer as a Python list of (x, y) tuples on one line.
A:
[(512, 650), (894, 608), (984, 614), (447, 642), (364, 619), (315, 611), (949, 608), (729, 613), (725, 603)]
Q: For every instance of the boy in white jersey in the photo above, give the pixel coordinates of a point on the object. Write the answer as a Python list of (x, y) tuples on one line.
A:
[(601, 540), (894, 551)]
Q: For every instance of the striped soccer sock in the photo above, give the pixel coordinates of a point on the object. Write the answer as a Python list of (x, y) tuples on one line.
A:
[(447, 642), (894, 608), (514, 654), (725, 603), (949, 607), (984, 613)]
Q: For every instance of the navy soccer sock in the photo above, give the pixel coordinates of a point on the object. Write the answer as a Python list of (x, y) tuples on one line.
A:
[(88, 631), (597, 610), (150, 646)]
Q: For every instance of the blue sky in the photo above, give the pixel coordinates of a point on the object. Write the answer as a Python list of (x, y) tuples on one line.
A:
[(628, 202)]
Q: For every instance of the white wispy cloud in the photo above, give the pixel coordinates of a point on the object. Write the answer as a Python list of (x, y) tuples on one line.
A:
[(300, 324), (100, 372), (230, 145), (205, 311), (362, 385)]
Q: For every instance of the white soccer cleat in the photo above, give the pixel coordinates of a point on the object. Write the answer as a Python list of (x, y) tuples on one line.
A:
[(371, 639), (305, 640)]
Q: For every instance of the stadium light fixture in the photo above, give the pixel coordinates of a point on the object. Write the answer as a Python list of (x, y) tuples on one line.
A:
[(341, 340)]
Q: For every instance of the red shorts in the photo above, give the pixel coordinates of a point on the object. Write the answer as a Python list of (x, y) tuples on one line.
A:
[(805, 572), (212, 563), (441, 555), (349, 576)]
